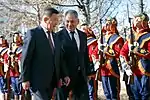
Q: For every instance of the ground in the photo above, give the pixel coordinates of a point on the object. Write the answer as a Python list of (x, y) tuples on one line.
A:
[(123, 95)]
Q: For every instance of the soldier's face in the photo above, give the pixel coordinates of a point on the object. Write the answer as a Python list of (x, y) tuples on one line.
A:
[(16, 37), (83, 28), (71, 22), (137, 22), (52, 22)]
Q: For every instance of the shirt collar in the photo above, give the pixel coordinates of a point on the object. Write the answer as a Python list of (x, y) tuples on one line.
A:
[(74, 31), (45, 30)]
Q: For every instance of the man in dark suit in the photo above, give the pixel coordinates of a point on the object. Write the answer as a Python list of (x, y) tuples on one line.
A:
[(74, 47), (41, 58)]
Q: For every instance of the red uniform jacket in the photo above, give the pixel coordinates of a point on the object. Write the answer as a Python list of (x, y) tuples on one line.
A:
[(92, 43), (142, 54), (115, 42), (2, 53), (14, 70)]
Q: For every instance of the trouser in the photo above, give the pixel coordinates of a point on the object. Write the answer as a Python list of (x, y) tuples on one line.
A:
[(111, 87), (16, 86), (129, 92), (92, 87), (140, 88), (2, 85), (79, 88), (41, 94), (44, 93)]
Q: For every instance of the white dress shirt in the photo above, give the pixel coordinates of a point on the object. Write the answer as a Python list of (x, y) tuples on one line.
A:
[(45, 30), (76, 36)]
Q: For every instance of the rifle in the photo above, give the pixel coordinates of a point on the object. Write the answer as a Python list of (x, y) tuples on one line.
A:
[(9, 60), (132, 60), (101, 58)]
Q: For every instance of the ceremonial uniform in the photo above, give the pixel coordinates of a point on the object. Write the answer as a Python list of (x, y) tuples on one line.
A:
[(140, 87), (14, 70), (109, 70), (3, 50), (92, 83), (141, 69)]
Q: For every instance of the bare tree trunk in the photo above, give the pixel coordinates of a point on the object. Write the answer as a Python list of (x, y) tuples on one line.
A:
[(87, 11), (141, 6)]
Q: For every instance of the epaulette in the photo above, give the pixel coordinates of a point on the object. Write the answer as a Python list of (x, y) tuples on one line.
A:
[(90, 40), (137, 36), (107, 37), (3, 51), (18, 50)]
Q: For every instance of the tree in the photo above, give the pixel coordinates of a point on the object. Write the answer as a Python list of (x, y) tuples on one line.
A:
[(17, 13), (93, 10)]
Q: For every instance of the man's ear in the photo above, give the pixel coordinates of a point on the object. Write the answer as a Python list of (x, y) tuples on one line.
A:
[(46, 19)]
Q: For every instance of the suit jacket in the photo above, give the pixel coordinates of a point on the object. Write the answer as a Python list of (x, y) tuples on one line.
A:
[(38, 61), (71, 56)]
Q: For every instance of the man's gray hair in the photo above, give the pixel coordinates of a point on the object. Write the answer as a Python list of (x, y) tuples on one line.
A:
[(72, 12)]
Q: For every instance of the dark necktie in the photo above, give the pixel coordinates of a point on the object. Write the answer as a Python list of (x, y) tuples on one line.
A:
[(73, 40), (50, 41)]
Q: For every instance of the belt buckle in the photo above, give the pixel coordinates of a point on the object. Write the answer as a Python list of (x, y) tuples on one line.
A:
[(79, 68)]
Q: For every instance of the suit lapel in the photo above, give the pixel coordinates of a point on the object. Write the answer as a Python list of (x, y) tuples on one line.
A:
[(66, 34), (44, 37), (81, 41), (56, 52), (57, 56), (42, 31)]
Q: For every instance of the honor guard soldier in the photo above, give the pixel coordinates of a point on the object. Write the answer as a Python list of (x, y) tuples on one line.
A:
[(138, 70), (12, 61), (109, 70), (92, 43), (3, 50)]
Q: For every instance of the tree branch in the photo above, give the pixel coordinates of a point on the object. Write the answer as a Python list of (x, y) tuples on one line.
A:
[(100, 8), (115, 9), (80, 2), (56, 4), (108, 8), (14, 10)]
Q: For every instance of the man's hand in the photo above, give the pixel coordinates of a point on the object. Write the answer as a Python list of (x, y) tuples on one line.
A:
[(26, 85), (67, 80)]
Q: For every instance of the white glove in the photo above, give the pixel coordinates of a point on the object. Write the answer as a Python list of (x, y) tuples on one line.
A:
[(96, 65), (131, 47), (102, 46), (128, 71), (134, 45)]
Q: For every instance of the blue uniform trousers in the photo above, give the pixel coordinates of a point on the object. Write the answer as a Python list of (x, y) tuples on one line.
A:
[(16, 86), (141, 87), (91, 88), (111, 87), (2, 84)]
